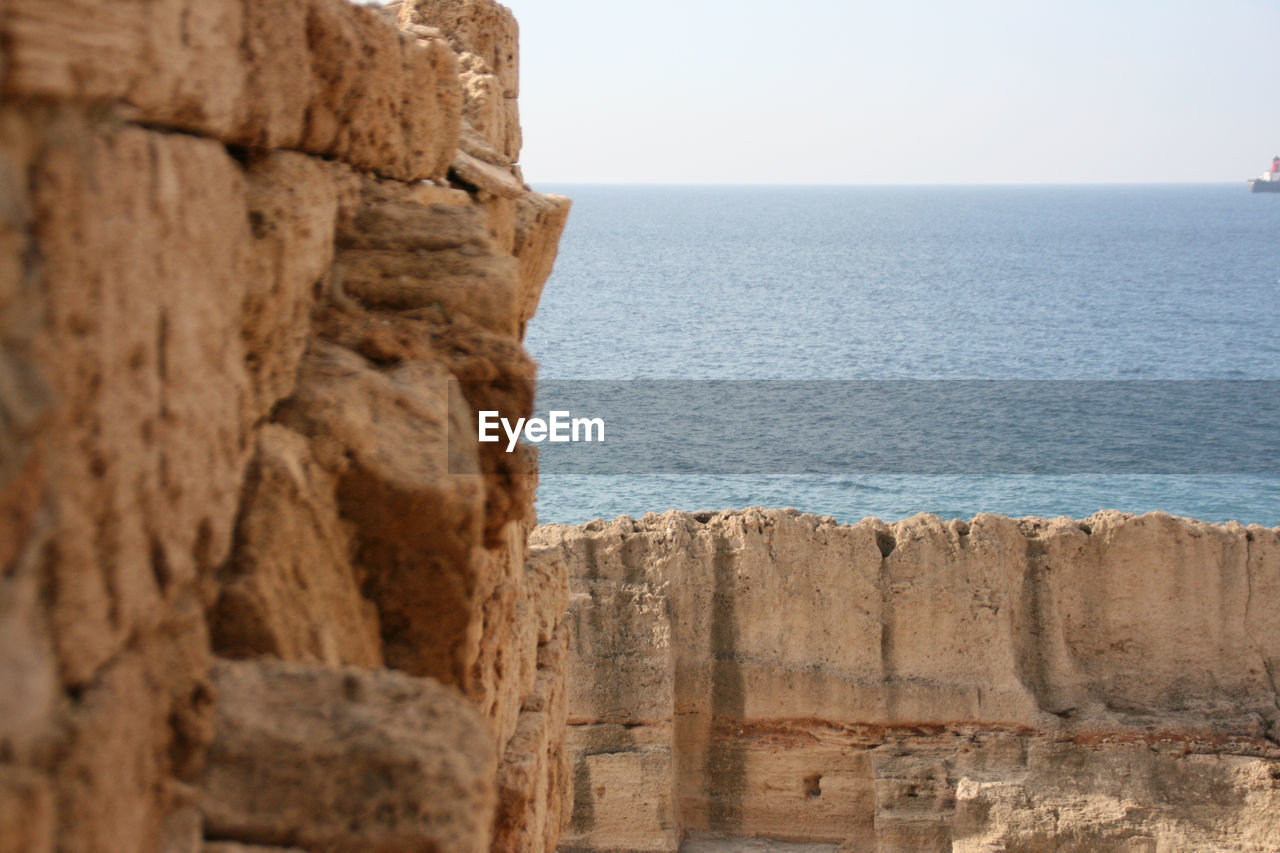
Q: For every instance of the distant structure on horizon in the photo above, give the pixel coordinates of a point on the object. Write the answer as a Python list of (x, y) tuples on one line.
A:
[(1267, 182)]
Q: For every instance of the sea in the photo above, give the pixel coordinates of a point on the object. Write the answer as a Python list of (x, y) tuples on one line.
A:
[(911, 284)]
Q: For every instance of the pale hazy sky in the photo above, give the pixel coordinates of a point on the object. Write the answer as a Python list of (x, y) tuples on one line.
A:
[(821, 91)]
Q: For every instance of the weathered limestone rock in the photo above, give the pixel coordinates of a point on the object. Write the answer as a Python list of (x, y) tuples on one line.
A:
[(135, 737), (290, 589), (237, 370), (486, 176), (26, 812), (143, 241), (540, 220), (120, 330), (921, 686), (533, 777), (622, 788), (415, 519), (346, 760), (485, 35), (482, 287), (28, 668), (484, 28), (391, 216), (293, 208), (322, 76)]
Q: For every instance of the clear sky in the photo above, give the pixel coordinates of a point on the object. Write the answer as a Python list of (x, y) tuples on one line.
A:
[(898, 91)]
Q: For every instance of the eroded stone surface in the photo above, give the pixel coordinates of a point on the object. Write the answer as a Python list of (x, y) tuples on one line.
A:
[(291, 589), (323, 76), (293, 208), (229, 420), (485, 35), (26, 812), (346, 760), (997, 684)]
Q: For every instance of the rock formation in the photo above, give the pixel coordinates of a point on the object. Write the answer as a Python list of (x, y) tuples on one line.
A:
[(260, 588), (1000, 685)]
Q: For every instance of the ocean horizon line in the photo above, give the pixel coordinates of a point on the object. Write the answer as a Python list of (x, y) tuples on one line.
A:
[(846, 185)]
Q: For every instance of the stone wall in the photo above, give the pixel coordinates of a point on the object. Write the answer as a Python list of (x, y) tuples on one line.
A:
[(259, 585), (1000, 685)]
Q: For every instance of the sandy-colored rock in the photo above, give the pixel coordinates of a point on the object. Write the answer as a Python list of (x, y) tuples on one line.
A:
[(501, 219), (544, 598), (486, 38), (471, 283), (624, 665), (485, 176), (293, 210), (492, 371), (1102, 799), (484, 28), (27, 813), (408, 485), (175, 56), (341, 759), (383, 101), (394, 217), (26, 401), (143, 242), (28, 668), (533, 776), (290, 590), (431, 250), (915, 686), (241, 342), (121, 331), (1153, 615), (505, 668), (323, 76), (484, 114), (540, 220), (135, 738)]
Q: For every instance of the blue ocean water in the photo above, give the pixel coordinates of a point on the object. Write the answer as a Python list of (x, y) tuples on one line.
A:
[(1047, 282)]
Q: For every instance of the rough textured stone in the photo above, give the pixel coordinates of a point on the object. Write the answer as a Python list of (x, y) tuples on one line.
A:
[(481, 27), (28, 668), (533, 777), (323, 76), (409, 484), (237, 370), (293, 209), (475, 284), (135, 738), (291, 590), (486, 38), (997, 684), (540, 221), (26, 811), (389, 216), (346, 760), (143, 240), (486, 176), (120, 339)]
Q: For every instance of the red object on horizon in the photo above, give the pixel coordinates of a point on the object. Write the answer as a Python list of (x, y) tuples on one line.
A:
[(1275, 164)]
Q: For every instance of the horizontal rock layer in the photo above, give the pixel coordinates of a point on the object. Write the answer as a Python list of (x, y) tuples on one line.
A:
[(346, 760), (1001, 684), (322, 76)]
